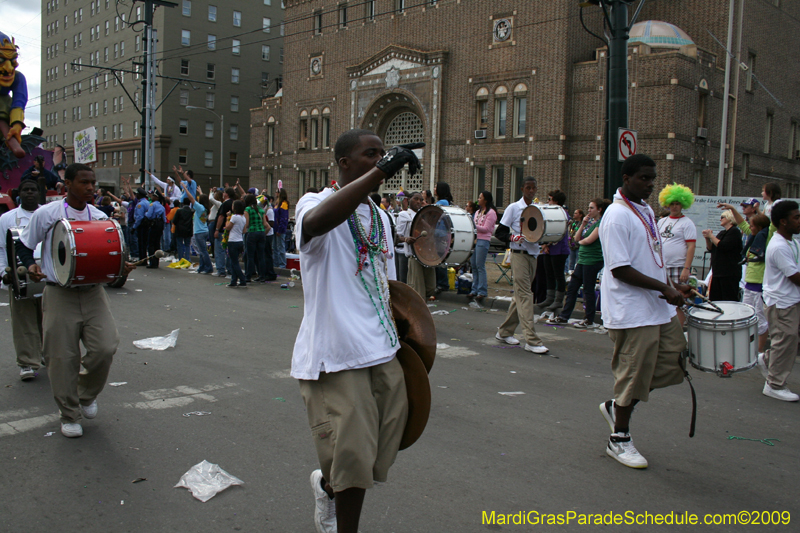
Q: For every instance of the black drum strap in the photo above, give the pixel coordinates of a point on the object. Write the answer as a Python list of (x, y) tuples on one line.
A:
[(694, 403)]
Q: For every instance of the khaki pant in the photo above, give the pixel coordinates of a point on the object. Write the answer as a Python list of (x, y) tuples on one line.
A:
[(523, 266), (357, 419), (421, 279), (26, 326), (784, 337), (646, 358), (72, 316)]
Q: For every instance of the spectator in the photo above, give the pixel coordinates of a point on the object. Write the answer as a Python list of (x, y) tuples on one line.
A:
[(184, 229), (52, 181), (155, 218), (256, 239), (220, 255), (200, 228), (725, 249), (403, 230), (420, 278), (589, 265), (754, 256), (59, 162), (139, 224), (106, 207), (281, 226), (574, 224), (215, 201), (678, 234), (555, 259), (443, 197), (771, 193), (428, 198), (237, 226), (485, 218), (266, 205), (173, 242)]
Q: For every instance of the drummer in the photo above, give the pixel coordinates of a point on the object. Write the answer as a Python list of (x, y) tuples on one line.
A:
[(72, 315), (523, 265), (26, 314), (638, 306)]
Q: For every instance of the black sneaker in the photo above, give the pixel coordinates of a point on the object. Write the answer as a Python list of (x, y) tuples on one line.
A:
[(557, 321)]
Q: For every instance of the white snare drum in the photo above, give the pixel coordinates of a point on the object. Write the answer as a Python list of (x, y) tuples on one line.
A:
[(544, 224), (723, 343), (449, 238), (21, 285)]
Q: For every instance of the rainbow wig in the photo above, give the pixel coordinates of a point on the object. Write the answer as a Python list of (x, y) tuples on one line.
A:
[(676, 193)]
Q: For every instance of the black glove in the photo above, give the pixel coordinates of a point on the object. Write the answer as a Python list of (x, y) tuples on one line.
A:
[(397, 157)]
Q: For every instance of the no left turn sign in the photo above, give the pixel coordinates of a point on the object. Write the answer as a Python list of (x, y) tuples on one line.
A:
[(626, 144)]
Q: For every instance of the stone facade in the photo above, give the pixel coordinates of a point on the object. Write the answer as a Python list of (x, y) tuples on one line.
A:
[(529, 76)]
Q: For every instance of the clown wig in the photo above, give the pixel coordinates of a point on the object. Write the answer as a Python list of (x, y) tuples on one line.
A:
[(676, 193)]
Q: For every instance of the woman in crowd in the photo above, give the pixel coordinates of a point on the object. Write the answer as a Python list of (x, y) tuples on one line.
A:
[(726, 250), (214, 200), (590, 263), (257, 225), (572, 229), (200, 221), (555, 259), (755, 254), (281, 225), (770, 193), (237, 226), (485, 219)]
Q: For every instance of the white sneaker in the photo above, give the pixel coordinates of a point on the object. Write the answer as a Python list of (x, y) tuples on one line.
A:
[(620, 447), (780, 394), (762, 365), (325, 511), (26, 373), (89, 411), (584, 324), (508, 340), (71, 430), (537, 349), (609, 414)]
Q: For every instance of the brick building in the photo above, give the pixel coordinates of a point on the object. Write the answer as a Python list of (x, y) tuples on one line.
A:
[(502, 90), (224, 56)]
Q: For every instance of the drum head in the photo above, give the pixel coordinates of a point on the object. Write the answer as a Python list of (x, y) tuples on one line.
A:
[(732, 311), (434, 247), (532, 224), (61, 248)]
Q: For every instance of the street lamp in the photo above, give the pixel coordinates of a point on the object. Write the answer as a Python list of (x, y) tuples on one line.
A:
[(221, 135)]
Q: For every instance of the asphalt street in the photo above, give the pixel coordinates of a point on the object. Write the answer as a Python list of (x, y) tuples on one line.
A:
[(482, 451)]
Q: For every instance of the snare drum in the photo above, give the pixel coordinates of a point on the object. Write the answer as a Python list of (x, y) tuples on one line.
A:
[(22, 286), (450, 236), (544, 224), (87, 252), (723, 343)]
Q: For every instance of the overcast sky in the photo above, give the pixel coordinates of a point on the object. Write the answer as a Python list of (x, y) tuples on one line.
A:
[(21, 19)]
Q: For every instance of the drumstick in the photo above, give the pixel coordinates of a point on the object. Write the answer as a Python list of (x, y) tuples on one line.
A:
[(159, 254), (709, 302), (21, 271), (423, 233)]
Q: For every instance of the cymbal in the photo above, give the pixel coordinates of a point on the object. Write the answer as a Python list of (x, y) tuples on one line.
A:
[(418, 391), (414, 321)]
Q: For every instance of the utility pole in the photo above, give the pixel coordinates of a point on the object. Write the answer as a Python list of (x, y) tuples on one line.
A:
[(725, 103), (616, 16)]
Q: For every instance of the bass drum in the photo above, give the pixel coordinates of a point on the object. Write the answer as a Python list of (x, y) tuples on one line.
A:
[(544, 224), (22, 287), (88, 252), (445, 235)]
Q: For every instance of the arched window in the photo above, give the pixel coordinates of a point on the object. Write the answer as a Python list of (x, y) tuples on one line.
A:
[(500, 111), (405, 127), (482, 109)]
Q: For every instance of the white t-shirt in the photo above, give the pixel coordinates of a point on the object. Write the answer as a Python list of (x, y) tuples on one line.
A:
[(781, 262), (626, 243), (271, 220), (404, 219), (676, 234), (16, 218), (511, 219), (237, 231), (341, 328), (40, 229)]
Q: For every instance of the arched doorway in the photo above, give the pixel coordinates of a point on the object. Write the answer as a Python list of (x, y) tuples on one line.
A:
[(405, 127)]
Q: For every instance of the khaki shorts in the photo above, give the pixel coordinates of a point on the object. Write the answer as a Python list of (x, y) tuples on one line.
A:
[(646, 358), (357, 419)]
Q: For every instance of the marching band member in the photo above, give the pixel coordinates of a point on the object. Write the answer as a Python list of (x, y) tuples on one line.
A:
[(638, 306), (345, 354), (72, 315), (26, 315), (523, 265), (782, 296)]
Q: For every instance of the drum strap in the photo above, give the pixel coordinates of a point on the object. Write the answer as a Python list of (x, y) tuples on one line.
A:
[(694, 403)]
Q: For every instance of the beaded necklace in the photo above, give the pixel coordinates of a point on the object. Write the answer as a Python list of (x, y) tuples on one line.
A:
[(650, 227), (371, 247)]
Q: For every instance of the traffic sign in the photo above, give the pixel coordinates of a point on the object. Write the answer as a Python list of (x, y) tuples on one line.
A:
[(626, 143)]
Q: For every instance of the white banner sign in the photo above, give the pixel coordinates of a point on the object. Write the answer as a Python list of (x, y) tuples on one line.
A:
[(84, 144)]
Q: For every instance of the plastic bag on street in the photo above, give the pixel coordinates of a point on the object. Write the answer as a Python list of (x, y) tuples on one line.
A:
[(205, 480), (158, 343)]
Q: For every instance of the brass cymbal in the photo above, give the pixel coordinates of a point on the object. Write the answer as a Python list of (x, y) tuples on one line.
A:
[(414, 321), (418, 391)]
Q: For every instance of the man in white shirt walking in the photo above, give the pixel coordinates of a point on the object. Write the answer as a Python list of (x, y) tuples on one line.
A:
[(345, 353), (781, 296), (26, 314), (523, 265), (638, 306)]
